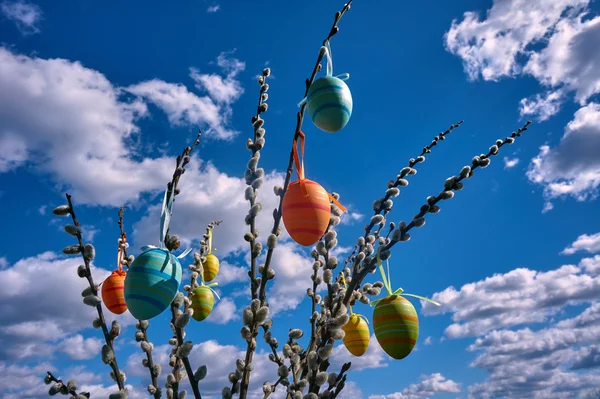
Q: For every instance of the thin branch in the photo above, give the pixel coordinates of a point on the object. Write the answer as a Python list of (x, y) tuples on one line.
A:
[(278, 213), (70, 388), (88, 252)]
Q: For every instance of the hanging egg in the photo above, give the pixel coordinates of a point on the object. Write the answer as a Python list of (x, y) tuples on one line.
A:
[(210, 267), (202, 302), (396, 326), (306, 211), (357, 335), (329, 103), (113, 292), (152, 282)]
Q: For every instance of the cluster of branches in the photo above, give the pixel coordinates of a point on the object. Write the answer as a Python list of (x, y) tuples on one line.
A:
[(302, 371)]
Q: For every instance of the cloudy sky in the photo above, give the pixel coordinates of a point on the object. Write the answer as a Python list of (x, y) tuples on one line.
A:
[(97, 100)]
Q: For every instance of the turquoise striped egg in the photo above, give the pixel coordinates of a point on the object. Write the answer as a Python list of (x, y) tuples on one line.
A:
[(151, 284), (329, 104)]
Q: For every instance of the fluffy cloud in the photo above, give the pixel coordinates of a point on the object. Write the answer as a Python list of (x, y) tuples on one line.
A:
[(224, 312), (518, 297), (429, 385), (510, 162), (585, 242), (32, 326), (24, 14), (552, 362), (555, 42), (46, 103), (572, 168)]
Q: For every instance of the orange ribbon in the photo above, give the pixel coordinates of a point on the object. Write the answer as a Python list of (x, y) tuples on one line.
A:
[(300, 168)]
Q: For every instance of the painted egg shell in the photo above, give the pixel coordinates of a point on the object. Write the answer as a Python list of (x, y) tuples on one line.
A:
[(202, 302), (357, 335), (329, 104), (211, 267), (113, 292), (306, 213), (151, 283), (396, 326)]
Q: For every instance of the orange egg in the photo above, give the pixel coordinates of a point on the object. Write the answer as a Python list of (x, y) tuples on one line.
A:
[(306, 211), (113, 292)]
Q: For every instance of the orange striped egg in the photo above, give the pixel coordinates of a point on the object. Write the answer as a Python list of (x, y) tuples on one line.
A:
[(306, 211), (357, 335), (113, 292), (396, 326), (202, 302), (211, 267)]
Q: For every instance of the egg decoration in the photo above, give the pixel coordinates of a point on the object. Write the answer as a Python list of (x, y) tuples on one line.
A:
[(396, 326), (152, 282), (210, 267), (357, 335), (329, 103), (306, 211), (113, 292), (203, 302)]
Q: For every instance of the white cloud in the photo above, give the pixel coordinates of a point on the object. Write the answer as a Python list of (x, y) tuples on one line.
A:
[(213, 9), (80, 348), (521, 296), (427, 341), (542, 106), (42, 209), (222, 90), (224, 312), (3, 263), (586, 243), (429, 385), (489, 48), (556, 361), (591, 265), (24, 14), (19, 381), (510, 162), (572, 168), (46, 105), (32, 328)]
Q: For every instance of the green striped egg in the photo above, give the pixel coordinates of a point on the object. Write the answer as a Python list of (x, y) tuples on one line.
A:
[(202, 302), (396, 326), (151, 284), (329, 103)]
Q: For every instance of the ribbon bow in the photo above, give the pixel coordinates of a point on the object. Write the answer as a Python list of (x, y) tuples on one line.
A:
[(209, 286), (343, 76), (388, 285), (300, 169)]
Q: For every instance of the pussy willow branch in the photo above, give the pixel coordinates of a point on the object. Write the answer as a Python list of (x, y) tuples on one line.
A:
[(277, 214), (87, 256), (70, 388), (141, 326), (385, 204), (182, 161), (173, 243), (451, 185)]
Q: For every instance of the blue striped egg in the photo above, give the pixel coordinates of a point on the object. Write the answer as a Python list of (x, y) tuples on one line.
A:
[(329, 103), (151, 284)]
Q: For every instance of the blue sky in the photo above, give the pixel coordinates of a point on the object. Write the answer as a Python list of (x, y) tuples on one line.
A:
[(97, 100)]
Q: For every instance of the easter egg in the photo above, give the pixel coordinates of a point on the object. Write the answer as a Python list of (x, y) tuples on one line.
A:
[(202, 302), (113, 292), (357, 335), (329, 103), (396, 326), (151, 284), (211, 267), (306, 211)]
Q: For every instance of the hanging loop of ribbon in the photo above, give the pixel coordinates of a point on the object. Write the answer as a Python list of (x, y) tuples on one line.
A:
[(299, 159), (209, 286), (165, 214), (210, 237)]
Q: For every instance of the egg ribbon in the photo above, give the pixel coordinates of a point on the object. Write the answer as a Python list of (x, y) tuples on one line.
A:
[(120, 257), (300, 170), (343, 76), (209, 286), (388, 285), (165, 219), (350, 307), (210, 237)]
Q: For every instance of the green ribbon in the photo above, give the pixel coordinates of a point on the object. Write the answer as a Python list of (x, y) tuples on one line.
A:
[(388, 284), (209, 286)]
